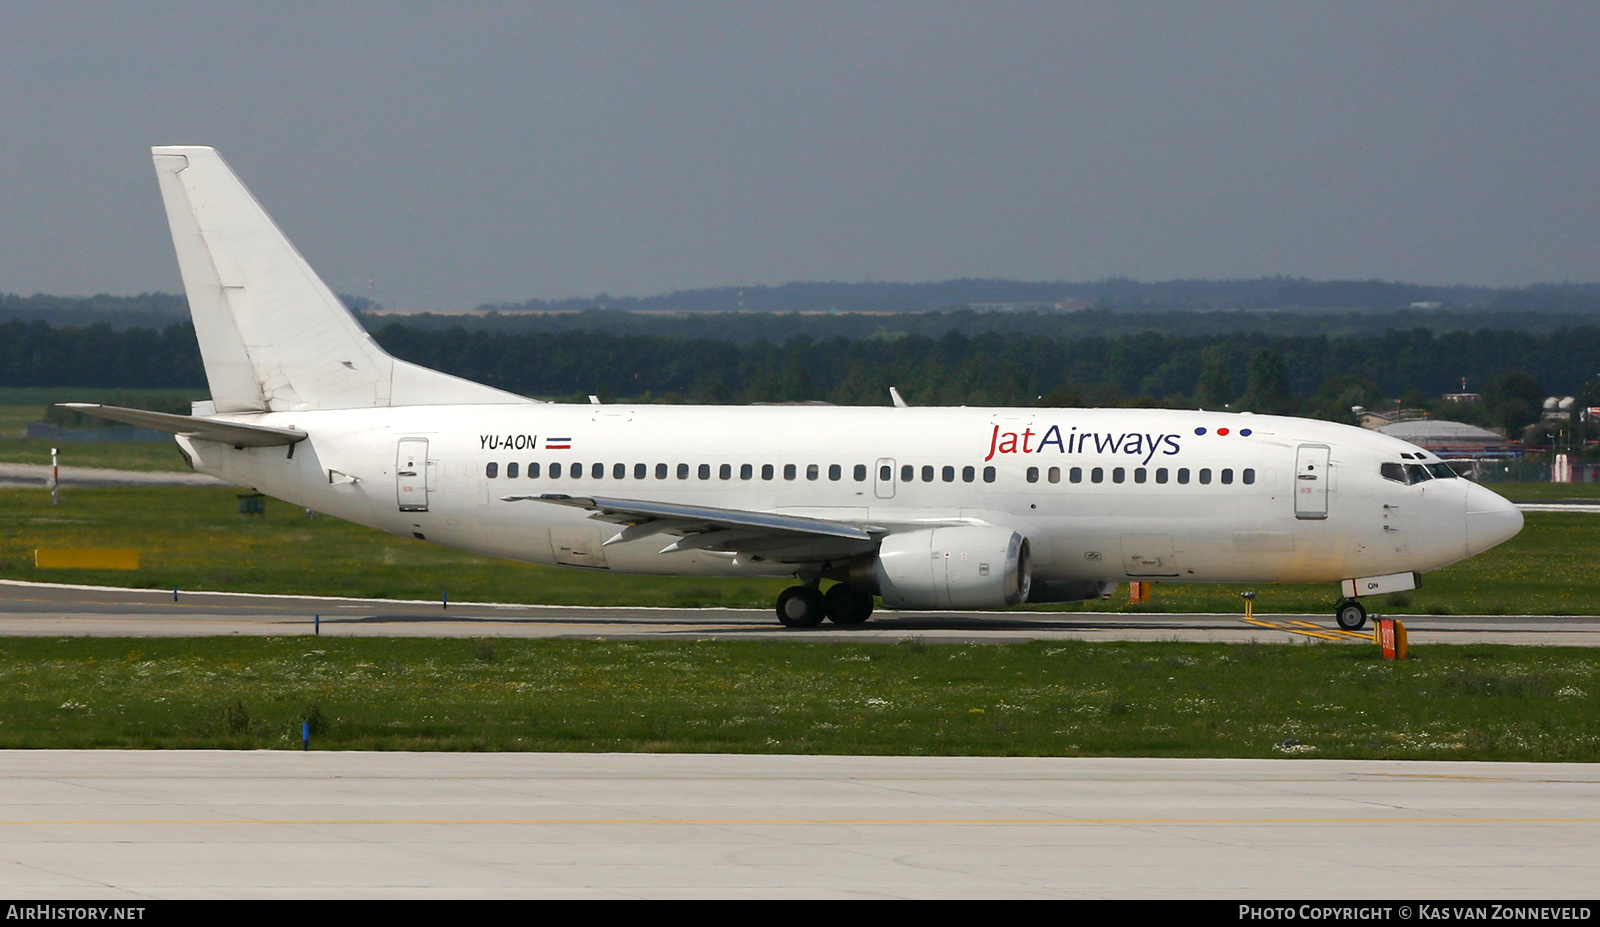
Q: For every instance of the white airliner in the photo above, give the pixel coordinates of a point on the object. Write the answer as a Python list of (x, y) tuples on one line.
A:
[(925, 508)]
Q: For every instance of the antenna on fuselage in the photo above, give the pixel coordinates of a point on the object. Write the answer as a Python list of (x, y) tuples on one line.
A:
[(899, 401)]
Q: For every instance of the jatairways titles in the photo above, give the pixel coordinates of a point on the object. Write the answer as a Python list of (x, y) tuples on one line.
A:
[(1073, 441)]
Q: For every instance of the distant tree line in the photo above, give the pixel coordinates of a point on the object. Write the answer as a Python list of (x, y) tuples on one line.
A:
[(1318, 375)]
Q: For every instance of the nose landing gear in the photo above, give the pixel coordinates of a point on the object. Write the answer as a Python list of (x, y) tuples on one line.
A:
[(1350, 614)]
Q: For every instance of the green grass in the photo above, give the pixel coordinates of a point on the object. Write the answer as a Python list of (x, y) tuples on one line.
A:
[(116, 455), (195, 539), (1546, 492), (1068, 698)]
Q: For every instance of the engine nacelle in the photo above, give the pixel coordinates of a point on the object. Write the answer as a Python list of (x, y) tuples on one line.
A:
[(967, 566)]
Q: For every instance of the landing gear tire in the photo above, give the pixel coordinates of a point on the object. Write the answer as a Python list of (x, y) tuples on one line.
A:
[(847, 606), (1351, 615), (801, 607)]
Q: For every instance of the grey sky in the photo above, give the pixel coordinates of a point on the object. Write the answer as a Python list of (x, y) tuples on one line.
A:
[(461, 153)]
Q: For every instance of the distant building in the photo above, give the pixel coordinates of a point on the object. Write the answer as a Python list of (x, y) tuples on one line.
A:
[(1371, 420), (1454, 440)]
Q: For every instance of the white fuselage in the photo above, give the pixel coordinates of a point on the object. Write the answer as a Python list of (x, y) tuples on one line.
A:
[(1101, 494)]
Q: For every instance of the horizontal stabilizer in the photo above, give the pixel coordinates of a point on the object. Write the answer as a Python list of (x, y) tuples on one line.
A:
[(238, 434)]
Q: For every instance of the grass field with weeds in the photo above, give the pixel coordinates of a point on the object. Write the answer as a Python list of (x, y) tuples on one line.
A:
[(1062, 698)]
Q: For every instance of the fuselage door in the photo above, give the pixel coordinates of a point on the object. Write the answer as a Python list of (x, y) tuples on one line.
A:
[(411, 474), (883, 478), (1311, 481)]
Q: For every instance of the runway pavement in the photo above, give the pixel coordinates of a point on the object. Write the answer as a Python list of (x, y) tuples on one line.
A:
[(35, 609), (134, 825)]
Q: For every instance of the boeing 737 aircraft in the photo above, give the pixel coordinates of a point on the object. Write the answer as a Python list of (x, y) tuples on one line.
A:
[(925, 508)]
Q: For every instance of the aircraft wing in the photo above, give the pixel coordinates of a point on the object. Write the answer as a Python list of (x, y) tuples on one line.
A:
[(768, 535), (238, 434)]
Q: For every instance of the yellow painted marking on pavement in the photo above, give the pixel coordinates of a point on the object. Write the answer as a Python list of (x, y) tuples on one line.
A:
[(1287, 627)]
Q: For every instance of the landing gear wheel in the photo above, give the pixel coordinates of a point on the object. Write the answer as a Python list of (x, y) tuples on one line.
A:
[(847, 606), (1351, 615), (801, 607)]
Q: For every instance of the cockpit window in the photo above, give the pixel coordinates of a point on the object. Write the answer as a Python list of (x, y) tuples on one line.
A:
[(1418, 473), (1442, 471), (1394, 471)]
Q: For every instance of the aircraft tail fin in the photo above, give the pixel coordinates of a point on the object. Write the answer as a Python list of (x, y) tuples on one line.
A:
[(272, 335)]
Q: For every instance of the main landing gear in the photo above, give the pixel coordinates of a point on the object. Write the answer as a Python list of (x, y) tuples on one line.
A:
[(1350, 614), (806, 606)]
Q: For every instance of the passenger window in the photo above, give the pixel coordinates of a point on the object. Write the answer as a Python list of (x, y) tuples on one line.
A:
[(1227, 477), (746, 471), (1205, 476), (789, 471), (927, 474), (703, 471), (619, 471), (533, 471), (812, 471), (908, 473), (575, 471), (1076, 475), (1161, 474), (948, 474), (725, 472), (988, 474), (1097, 475), (968, 474), (1033, 474), (1249, 476), (885, 473), (766, 471), (1183, 475), (1118, 475), (683, 471), (1055, 474), (1138, 475), (598, 471), (860, 473), (639, 471), (492, 470), (835, 472), (661, 471), (555, 471), (511, 471)]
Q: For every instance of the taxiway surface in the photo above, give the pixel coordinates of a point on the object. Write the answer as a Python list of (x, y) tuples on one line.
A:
[(32, 609)]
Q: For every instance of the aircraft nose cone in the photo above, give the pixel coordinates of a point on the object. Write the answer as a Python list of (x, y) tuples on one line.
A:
[(1491, 519)]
